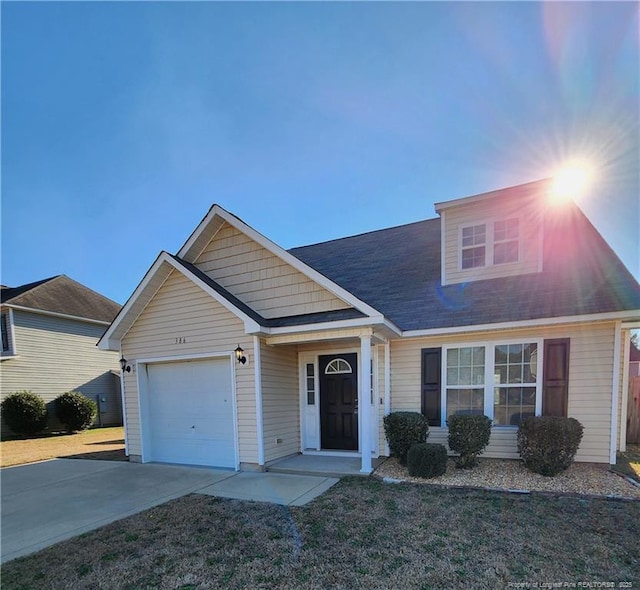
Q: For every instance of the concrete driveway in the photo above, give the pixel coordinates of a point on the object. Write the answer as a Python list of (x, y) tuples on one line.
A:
[(44, 503)]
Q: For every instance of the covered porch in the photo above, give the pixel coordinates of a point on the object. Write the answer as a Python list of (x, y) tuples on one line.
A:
[(341, 397)]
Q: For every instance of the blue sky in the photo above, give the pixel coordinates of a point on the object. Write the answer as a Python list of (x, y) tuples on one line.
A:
[(122, 123)]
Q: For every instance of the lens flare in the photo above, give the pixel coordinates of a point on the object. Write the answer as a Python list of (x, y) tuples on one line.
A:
[(572, 181)]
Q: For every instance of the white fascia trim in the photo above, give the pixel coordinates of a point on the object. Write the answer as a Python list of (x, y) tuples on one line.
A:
[(321, 327), (631, 325), (107, 342), (281, 253), (615, 384), (250, 325), (576, 319), (443, 240), (55, 314)]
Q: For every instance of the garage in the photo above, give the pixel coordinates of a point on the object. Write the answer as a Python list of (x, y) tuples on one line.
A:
[(190, 413)]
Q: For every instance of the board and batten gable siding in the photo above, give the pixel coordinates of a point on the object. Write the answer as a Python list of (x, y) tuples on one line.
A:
[(280, 401), (56, 355), (260, 279), (485, 212), (590, 381), (182, 320)]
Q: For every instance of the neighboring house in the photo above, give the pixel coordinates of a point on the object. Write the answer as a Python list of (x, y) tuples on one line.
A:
[(49, 333), (634, 361), (503, 305)]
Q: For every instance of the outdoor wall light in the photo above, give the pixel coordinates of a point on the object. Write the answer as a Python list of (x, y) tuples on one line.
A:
[(240, 355), (124, 365)]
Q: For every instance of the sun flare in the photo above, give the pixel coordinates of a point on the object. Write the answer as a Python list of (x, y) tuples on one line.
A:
[(572, 181)]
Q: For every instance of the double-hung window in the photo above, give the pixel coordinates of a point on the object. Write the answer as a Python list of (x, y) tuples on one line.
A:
[(506, 241), (498, 380), (515, 380), (473, 245), (491, 243), (465, 380)]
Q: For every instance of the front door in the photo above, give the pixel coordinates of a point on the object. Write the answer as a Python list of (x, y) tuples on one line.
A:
[(339, 401)]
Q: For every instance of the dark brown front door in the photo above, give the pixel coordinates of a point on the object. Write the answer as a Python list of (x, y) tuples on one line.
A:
[(339, 401)]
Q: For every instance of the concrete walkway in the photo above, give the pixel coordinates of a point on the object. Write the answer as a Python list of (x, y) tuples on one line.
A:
[(48, 502)]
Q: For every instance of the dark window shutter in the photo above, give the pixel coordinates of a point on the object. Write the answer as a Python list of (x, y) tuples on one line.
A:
[(555, 377), (5, 332), (431, 385)]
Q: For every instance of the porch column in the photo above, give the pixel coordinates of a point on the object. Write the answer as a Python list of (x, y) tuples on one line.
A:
[(364, 403)]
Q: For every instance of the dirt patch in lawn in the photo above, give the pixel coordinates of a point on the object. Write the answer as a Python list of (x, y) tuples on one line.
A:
[(98, 443), (628, 463), (362, 533)]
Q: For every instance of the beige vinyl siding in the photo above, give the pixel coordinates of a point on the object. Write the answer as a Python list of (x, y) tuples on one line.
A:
[(484, 212), (280, 401), (55, 355), (181, 310), (260, 279), (590, 380)]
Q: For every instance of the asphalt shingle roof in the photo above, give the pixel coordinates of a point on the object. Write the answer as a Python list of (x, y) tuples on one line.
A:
[(398, 272), (60, 294)]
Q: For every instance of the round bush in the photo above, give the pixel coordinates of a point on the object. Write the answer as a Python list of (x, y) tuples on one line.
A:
[(403, 430), (427, 460), (25, 412), (548, 444), (75, 411), (468, 436)]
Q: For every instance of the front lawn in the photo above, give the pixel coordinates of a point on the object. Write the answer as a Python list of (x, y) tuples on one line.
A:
[(97, 443), (360, 534)]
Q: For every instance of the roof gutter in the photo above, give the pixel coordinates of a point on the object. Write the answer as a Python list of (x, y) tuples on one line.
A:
[(630, 315)]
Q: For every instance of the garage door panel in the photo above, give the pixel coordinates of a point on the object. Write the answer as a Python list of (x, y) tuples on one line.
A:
[(191, 417)]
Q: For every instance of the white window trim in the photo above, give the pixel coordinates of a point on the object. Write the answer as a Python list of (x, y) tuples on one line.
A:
[(489, 364), (489, 242)]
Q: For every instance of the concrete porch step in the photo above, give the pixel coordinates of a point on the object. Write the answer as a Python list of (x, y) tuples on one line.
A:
[(320, 465)]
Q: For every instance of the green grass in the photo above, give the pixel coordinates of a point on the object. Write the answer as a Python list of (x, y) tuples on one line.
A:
[(360, 534)]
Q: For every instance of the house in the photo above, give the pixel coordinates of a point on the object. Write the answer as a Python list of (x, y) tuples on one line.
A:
[(49, 334), (238, 353)]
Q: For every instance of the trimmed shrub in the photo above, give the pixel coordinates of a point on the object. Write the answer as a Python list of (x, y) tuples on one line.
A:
[(75, 411), (468, 436), (25, 412), (548, 444), (427, 460), (403, 430)]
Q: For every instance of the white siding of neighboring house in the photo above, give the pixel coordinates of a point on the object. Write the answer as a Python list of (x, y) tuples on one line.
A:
[(590, 381), (56, 355), (181, 310), (476, 213), (280, 401), (260, 279)]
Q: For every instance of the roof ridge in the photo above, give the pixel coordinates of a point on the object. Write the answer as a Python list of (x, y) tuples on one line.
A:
[(365, 233), (35, 285)]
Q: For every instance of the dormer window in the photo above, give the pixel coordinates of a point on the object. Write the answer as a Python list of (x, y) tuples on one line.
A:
[(473, 246), (506, 238), (500, 239)]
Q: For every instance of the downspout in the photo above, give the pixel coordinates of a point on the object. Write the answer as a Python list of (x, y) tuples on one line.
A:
[(257, 372), (124, 408), (615, 385)]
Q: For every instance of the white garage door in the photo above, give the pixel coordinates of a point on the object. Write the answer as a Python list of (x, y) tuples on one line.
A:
[(190, 413)]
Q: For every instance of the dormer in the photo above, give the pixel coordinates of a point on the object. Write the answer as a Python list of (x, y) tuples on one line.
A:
[(491, 235)]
